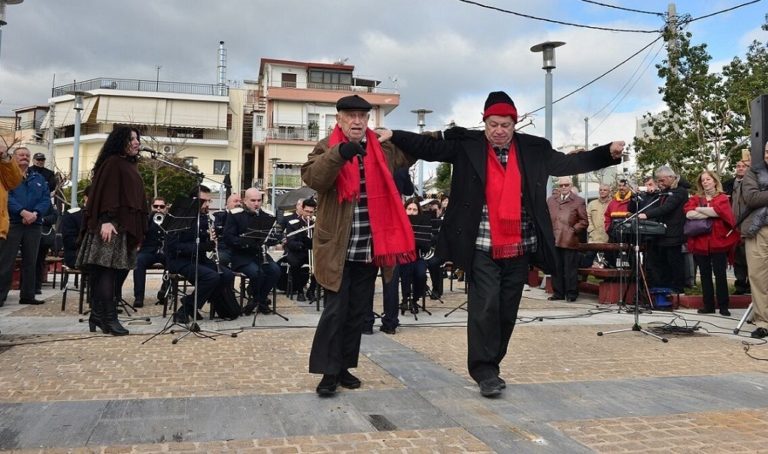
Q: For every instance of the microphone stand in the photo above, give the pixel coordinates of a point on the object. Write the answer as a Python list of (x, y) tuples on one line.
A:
[(634, 219), (193, 327)]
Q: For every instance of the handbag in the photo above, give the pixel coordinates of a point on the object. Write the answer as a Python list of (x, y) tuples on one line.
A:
[(696, 227)]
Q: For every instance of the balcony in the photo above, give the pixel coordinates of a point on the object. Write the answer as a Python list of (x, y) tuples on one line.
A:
[(177, 134), (293, 133), (142, 85), (332, 87)]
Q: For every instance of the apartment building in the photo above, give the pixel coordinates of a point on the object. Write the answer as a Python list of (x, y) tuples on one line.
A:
[(291, 106)]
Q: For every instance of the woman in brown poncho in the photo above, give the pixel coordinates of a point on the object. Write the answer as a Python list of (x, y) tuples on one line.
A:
[(114, 224)]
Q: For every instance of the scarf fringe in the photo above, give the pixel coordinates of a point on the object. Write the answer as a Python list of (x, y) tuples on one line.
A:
[(399, 258), (506, 251)]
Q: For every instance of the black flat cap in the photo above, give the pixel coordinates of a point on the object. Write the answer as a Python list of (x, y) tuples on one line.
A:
[(353, 102), (39, 156)]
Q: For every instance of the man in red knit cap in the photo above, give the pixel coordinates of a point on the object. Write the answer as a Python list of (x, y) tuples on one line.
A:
[(497, 222)]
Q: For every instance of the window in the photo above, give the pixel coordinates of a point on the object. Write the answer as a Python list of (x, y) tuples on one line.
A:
[(259, 120), (221, 167), (329, 79), (289, 80)]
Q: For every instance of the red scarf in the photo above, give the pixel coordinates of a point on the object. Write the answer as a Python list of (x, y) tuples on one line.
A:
[(393, 240), (502, 193)]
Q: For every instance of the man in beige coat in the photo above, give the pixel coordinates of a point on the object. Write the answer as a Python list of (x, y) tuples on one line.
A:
[(569, 219), (10, 177), (352, 172)]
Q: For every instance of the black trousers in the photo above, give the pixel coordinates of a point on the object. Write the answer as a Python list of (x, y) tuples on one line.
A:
[(666, 267), (715, 263), (28, 238), (495, 289), (565, 279), (336, 345), (434, 265), (740, 269)]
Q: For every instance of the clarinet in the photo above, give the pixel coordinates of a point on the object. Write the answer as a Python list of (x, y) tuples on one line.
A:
[(212, 235)]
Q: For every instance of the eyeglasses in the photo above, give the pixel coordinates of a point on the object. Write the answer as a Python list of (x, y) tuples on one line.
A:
[(564, 185), (158, 206)]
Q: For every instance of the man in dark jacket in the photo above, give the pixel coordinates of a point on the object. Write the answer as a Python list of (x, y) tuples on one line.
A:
[(666, 263), (151, 251), (245, 233), (489, 229), (186, 257), (27, 204)]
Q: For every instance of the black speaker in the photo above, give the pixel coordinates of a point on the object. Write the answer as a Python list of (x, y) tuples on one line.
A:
[(759, 109)]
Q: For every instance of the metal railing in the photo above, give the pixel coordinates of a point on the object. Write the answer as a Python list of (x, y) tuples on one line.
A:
[(293, 133), (334, 87), (157, 86), (147, 132)]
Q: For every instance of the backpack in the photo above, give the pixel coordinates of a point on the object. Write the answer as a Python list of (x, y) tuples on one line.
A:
[(224, 303)]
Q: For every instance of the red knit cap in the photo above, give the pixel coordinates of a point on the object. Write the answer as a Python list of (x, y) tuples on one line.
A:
[(499, 103)]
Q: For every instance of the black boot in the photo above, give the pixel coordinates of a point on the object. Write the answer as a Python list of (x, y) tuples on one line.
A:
[(110, 320), (97, 317)]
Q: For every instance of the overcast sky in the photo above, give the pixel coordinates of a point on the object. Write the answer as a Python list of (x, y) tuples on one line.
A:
[(443, 55)]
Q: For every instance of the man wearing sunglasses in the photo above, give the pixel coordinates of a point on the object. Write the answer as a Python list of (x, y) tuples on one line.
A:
[(151, 251)]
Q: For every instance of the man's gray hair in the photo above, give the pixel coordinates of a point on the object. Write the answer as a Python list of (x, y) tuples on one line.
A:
[(665, 171)]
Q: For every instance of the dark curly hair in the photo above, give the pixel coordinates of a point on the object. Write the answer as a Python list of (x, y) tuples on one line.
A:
[(116, 144)]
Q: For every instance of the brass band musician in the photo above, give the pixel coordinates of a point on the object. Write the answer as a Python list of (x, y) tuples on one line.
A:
[(413, 276), (246, 234), (298, 246)]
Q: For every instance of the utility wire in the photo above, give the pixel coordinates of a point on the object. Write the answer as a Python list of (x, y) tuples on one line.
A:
[(600, 76), (722, 11), (593, 27), (624, 9)]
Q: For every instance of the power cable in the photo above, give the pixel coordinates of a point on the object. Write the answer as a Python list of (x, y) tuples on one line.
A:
[(624, 9), (599, 77), (527, 16), (722, 11)]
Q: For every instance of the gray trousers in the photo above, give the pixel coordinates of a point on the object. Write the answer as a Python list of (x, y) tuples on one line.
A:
[(28, 238)]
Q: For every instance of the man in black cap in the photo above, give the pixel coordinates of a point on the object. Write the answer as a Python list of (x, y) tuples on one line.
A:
[(361, 225), (38, 166), (502, 225)]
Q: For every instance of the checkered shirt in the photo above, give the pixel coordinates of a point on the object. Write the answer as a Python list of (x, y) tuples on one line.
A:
[(359, 247), (528, 232)]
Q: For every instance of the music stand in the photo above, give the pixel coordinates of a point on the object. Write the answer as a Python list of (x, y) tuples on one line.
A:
[(184, 209), (262, 229), (634, 220)]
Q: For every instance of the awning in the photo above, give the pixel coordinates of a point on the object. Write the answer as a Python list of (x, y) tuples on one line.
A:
[(64, 113), (162, 112)]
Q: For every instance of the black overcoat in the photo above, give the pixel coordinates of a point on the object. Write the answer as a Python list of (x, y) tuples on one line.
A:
[(467, 151)]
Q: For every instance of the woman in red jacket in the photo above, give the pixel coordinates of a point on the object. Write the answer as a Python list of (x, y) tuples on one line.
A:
[(710, 250)]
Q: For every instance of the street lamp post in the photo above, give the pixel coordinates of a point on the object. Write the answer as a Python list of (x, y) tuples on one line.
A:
[(421, 122), (547, 49), (3, 4), (274, 183), (76, 145)]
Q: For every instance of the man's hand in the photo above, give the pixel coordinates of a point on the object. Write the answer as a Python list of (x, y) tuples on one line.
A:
[(617, 149), (28, 217), (350, 149), (642, 216), (383, 133)]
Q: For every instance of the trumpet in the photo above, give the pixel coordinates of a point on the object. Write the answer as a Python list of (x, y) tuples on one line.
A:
[(158, 218)]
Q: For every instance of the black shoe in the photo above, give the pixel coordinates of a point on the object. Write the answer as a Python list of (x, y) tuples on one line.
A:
[(759, 333), (387, 330), (300, 297), (310, 295), (434, 296), (502, 383), (249, 308), (705, 311), (327, 386), (264, 309), (348, 380), (368, 330), (30, 301), (490, 387), (38, 291), (555, 298), (725, 312), (138, 302), (571, 299)]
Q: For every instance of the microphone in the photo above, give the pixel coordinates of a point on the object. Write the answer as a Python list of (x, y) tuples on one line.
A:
[(148, 150)]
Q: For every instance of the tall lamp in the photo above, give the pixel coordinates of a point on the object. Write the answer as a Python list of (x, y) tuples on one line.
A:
[(547, 49), (76, 145), (3, 4), (421, 115)]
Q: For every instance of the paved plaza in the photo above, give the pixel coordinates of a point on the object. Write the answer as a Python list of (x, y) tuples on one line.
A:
[(64, 389)]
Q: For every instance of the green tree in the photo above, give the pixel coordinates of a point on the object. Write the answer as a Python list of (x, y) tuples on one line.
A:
[(166, 181), (707, 120), (443, 177)]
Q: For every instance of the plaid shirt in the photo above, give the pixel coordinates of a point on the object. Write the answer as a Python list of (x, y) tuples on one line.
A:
[(359, 247), (528, 232)]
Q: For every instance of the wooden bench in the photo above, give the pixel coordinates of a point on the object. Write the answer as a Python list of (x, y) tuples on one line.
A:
[(615, 284)]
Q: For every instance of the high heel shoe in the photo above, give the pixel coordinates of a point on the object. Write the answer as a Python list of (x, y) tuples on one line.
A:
[(94, 322)]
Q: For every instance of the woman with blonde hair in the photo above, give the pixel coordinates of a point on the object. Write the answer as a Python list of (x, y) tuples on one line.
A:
[(711, 249)]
